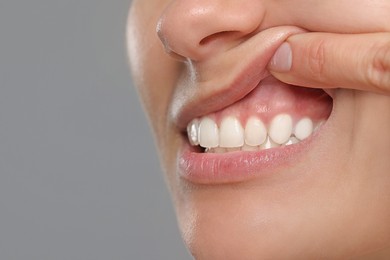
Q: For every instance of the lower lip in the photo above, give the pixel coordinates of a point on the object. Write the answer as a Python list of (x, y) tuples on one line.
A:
[(210, 168)]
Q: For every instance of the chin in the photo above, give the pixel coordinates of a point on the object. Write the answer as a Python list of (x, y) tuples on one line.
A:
[(299, 200)]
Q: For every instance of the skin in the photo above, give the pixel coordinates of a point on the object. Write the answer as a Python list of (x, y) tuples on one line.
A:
[(335, 202)]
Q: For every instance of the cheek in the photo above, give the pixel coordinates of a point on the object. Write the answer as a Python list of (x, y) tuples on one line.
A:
[(337, 15), (154, 73), (372, 144)]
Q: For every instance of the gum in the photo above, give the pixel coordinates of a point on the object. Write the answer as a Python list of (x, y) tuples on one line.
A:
[(272, 97)]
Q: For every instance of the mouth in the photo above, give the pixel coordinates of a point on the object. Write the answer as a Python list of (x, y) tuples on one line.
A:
[(271, 128), (265, 127), (273, 115)]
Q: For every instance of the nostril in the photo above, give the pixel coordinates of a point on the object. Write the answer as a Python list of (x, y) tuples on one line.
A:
[(224, 36), (198, 29)]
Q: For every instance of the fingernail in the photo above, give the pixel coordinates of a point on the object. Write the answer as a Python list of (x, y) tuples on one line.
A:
[(282, 59)]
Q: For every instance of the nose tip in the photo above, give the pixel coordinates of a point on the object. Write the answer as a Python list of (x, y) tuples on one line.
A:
[(196, 29)]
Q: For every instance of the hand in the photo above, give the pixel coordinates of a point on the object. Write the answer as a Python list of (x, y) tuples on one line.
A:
[(328, 60)]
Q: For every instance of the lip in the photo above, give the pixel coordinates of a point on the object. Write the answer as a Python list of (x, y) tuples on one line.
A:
[(197, 95)]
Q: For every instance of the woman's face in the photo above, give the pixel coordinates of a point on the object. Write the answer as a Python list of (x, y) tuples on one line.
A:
[(268, 170)]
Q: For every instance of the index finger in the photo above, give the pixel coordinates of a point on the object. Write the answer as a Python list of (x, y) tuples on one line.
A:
[(327, 60)]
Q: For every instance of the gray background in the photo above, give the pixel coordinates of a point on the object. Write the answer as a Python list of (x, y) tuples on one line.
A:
[(79, 178)]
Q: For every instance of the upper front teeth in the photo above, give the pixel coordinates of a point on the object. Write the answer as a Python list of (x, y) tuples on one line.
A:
[(231, 135), (281, 128), (255, 132), (208, 133)]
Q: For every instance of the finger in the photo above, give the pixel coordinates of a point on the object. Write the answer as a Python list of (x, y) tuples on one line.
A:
[(326, 60)]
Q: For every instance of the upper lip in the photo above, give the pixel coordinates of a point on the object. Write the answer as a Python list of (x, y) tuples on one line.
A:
[(202, 91)]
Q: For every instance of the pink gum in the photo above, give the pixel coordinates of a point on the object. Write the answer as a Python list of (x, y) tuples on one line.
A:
[(272, 97)]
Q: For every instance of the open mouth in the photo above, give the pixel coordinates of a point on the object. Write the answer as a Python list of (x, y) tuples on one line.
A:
[(273, 115), (273, 127)]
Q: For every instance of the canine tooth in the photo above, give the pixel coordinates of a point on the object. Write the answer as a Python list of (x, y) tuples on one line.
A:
[(231, 133), (292, 140), (192, 132), (208, 133), (269, 144), (255, 132), (281, 128), (304, 128)]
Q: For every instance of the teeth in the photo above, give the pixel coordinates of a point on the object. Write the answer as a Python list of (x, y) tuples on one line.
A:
[(249, 148), (208, 133), (216, 150), (304, 128), (280, 129), (269, 144), (292, 140), (255, 132), (192, 132), (231, 134)]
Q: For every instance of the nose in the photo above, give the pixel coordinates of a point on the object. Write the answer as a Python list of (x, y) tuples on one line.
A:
[(196, 29)]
